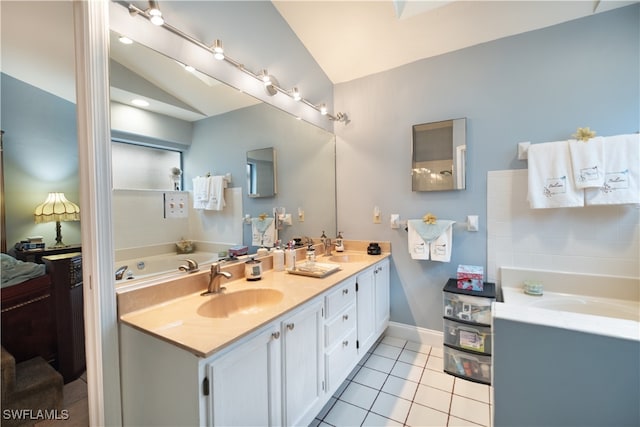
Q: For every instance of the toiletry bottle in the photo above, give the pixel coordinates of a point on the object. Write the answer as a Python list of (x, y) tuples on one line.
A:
[(290, 257), (311, 254), (262, 251), (278, 258), (339, 242)]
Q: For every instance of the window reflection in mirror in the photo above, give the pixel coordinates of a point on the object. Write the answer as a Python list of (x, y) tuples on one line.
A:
[(261, 173), (137, 167), (439, 155)]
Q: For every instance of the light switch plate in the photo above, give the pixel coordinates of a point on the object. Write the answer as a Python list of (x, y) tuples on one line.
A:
[(175, 204), (395, 221)]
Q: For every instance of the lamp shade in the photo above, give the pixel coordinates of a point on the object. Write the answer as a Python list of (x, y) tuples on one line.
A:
[(56, 208)]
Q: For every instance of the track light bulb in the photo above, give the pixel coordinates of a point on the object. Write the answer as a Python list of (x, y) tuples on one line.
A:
[(155, 15), (218, 50), (295, 93), (323, 109), (266, 79)]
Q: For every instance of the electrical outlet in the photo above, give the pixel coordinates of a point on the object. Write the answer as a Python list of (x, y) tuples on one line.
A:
[(377, 218), (175, 205)]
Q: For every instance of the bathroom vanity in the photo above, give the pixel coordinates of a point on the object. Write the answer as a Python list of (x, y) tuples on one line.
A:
[(275, 359)]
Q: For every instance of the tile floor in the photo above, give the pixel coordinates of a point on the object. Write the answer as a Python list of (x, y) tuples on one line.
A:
[(401, 383)]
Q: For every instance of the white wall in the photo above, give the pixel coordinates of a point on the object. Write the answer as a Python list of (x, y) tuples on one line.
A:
[(591, 239)]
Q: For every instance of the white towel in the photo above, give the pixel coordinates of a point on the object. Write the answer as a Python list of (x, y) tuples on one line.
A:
[(200, 192), (208, 192), (622, 172), (418, 248), (441, 247), (587, 162), (215, 200), (263, 232), (550, 177)]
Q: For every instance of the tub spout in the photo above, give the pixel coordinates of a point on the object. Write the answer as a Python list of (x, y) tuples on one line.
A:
[(120, 272), (190, 267)]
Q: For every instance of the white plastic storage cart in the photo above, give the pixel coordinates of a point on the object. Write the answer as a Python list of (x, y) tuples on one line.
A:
[(467, 331)]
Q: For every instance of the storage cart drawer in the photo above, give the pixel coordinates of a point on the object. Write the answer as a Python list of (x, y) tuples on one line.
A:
[(467, 308), (468, 336), (472, 366)]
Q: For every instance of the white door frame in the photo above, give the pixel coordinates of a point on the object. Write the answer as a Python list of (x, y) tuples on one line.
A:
[(91, 25)]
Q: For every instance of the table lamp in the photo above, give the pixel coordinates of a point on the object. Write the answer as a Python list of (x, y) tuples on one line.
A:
[(57, 208)]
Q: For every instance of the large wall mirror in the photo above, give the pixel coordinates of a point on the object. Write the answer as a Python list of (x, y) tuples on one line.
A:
[(219, 130), (439, 156)]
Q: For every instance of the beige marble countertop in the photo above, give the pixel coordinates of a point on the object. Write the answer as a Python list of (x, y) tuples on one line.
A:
[(170, 310)]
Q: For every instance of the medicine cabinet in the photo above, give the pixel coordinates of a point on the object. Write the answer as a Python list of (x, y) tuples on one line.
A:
[(261, 172), (439, 156)]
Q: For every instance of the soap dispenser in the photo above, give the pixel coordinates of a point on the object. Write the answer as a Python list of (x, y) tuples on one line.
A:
[(339, 242)]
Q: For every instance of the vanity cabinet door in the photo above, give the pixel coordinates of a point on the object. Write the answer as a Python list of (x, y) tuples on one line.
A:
[(303, 370), (365, 302), (246, 383), (381, 273)]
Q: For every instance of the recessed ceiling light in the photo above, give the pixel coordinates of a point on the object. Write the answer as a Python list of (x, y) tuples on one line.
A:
[(125, 40), (140, 103)]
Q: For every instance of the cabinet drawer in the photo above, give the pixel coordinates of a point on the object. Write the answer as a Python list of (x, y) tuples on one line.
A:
[(337, 300), (340, 324), (467, 308), (472, 366), (468, 336), (339, 360)]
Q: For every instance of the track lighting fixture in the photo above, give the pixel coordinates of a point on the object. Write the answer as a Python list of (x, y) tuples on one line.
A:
[(271, 84), (218, 50), (155, 15)]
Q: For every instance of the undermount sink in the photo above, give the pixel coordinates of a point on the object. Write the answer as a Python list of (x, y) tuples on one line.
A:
[(249, 301), (348, 258)]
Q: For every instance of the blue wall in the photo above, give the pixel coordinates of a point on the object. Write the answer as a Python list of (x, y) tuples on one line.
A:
[(40, 156), (538, 86)]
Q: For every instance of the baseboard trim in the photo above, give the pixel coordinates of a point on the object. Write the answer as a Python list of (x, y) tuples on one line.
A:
[(415, 333)]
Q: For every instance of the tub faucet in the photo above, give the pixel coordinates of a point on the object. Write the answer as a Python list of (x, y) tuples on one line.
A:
[(214, 279), (120, 272), (190, 267)]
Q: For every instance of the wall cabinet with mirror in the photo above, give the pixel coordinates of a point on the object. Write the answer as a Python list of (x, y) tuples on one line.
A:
[(439, 155)]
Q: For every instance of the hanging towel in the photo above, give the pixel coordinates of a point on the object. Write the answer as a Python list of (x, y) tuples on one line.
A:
[(263, 232), (550, 177), (424, 237), (215, 200), (200, 192), (622, 172), (587, 162), (418, 248), (441, 247)]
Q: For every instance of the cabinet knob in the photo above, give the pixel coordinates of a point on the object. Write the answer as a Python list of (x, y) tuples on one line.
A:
[(290, 326), (345, 343), (345, 291), (275, 335), (345, 317)]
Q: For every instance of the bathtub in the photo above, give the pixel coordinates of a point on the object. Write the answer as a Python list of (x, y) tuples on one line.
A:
[(570, 356), (146, 267)]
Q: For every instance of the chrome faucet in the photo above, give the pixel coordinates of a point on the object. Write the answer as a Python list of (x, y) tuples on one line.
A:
[(190, 267), (120, 272), (214, 279)]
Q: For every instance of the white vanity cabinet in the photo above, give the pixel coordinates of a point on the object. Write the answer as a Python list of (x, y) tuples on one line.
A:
[(246, 382), (373, 304), (303, 370), (280, 374), (341, 353)]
